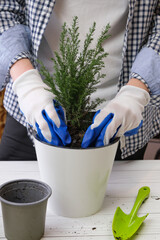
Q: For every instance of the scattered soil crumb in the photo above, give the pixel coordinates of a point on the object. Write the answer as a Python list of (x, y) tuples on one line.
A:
[(94, 228)]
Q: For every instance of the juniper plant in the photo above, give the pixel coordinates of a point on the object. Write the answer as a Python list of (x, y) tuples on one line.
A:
[(76, 74)]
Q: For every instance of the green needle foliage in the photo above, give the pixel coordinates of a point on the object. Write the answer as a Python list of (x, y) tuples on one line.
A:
[(76, 74)]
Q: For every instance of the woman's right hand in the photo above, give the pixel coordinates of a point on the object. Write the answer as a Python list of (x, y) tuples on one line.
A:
[(35, 99)]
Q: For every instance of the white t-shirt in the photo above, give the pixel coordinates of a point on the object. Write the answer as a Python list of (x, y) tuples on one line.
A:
[(102, 12)]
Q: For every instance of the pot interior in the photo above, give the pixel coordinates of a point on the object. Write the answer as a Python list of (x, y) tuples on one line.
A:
[(24, 192)]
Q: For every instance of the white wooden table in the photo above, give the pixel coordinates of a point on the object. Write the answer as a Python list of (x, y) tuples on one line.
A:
[(125, 180)]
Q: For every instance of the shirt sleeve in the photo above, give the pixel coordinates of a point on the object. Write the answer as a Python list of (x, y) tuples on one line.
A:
[(147, 62), (147, 67), (15, 44), (15, 37)]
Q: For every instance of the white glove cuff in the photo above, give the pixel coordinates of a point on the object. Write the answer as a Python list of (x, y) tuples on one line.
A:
[(137, 93), (28, 81)]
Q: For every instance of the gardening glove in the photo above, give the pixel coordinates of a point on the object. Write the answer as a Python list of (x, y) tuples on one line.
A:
[(122, 116), (60, 135), (36, 103)]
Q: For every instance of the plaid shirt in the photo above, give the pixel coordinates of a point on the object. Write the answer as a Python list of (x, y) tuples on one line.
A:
[(143, 28)]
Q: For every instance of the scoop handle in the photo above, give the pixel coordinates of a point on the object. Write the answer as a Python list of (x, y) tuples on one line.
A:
[(143, 194)]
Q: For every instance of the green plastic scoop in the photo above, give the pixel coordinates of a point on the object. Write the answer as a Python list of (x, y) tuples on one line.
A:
[(125, 225)]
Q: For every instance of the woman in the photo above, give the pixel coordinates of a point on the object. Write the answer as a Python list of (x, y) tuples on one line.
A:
[(26, 29)]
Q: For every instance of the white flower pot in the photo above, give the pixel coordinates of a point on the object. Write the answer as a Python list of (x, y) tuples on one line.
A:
[(78, 177)]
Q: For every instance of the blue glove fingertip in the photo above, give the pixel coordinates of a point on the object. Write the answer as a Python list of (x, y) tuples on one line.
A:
[(62, 131), (60, 135), (88, 136), (100, 139), (96, 134), (39, 133), (59, 110)]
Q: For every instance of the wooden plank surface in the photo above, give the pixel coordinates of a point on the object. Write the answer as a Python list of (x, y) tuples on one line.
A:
[(125, 180)]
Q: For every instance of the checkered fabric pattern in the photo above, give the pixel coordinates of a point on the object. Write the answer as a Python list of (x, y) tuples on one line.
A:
[(142, 28), (2, 114)]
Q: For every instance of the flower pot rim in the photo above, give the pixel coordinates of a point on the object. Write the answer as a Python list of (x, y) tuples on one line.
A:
[(76, 148), (26, 180)]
